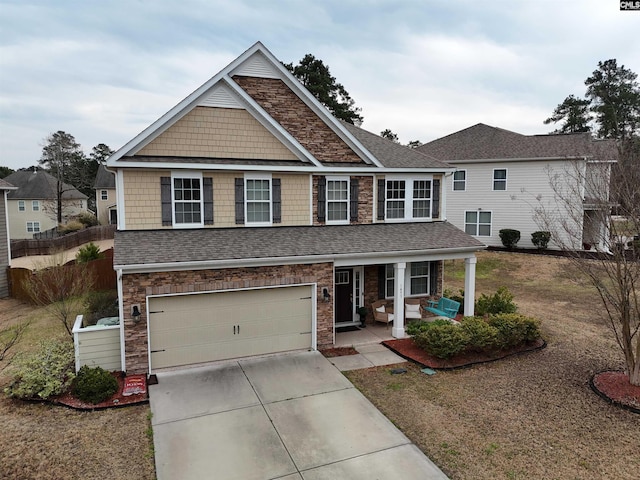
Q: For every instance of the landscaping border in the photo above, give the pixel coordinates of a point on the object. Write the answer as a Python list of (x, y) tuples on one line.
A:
[(608, 399)]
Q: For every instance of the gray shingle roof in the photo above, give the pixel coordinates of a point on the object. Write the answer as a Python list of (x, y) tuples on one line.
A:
[(4, 185), (483, 142), (394, 155), (39, 185), (104, 179), (148, 247)]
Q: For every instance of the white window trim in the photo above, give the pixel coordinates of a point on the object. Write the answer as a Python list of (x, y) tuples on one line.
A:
[(348, 201), (104, 195), (258, 176), (408, 198), (35, 205), (407, 282), (454, 181), (33, 227), (478, 222), (493, 180), (187, 174), (22, 207)]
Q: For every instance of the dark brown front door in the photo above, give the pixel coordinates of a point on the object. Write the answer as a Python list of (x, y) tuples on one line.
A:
[(344, 295)]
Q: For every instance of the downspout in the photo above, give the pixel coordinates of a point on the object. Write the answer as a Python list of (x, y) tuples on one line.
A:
[(123, 365)]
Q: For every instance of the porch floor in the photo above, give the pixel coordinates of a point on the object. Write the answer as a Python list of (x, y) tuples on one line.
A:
[(373, 333)]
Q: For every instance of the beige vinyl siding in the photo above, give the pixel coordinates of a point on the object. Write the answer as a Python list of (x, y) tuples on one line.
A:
[(295, 198), (528, 187), (99, 347), (102, 206), (46, 215), (142, 198), (218, 133)]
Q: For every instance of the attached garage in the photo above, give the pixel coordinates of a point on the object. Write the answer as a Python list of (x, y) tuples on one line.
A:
[(205, 327)]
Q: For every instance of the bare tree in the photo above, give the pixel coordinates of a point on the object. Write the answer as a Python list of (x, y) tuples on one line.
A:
[(614, 268), (9, 337), (60, 288)]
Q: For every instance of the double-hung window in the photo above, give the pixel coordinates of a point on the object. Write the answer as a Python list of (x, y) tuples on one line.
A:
[(21, 206), (389, 281), (104, 195), (338, 200), (460, 181), (187, 199), (33, 227), (408, 199), (416, 279), (35, 205), (499, 179), (257, 200), (477, 223)]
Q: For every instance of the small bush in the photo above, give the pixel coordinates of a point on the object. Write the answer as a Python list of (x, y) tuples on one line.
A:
[(94, 385), (87, 219), (514, 329), (417, 327), (541, 239), (47, 372), (482, 336), (70, 227), (88, 252), (457, 297), (101, 304), (499, 302), (509, 237), (442, 341)]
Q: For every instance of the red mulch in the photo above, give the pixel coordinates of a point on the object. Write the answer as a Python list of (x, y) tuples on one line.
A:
[(117, 400), (338, 352), (615, 387), (405, 347)]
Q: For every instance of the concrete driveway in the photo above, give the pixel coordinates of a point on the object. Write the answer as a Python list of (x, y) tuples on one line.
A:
[(290, 416)]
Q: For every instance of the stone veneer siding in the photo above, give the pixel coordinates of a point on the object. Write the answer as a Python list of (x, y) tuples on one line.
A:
[(365, 199), (136, 288), (298, 119)]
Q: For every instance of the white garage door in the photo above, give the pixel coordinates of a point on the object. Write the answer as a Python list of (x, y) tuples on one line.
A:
[(197, 328)]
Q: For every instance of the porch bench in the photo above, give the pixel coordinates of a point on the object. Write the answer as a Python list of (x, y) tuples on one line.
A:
[(444, 307)]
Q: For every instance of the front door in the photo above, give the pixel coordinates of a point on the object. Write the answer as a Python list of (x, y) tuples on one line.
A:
[(344, 296)]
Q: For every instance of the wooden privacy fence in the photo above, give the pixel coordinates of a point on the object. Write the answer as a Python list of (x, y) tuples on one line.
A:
[(101, 271), (48, 246)]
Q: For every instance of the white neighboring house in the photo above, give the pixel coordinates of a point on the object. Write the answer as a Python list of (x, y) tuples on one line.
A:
[(503, 177), (31, 208), (5, 246)]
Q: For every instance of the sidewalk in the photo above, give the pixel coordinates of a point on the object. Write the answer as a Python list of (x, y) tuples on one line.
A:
[(39, 261)]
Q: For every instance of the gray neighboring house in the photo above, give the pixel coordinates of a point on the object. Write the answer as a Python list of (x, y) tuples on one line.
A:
[(5, 247), (31, 208), (106, 204), (502, 177)]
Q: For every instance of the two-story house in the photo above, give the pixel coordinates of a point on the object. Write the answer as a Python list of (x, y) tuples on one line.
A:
[(251, 221), (105, 186), (5, 246), (509, 180), (33, 206)]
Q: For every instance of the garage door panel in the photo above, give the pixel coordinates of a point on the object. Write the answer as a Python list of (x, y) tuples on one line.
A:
[(214, 326)]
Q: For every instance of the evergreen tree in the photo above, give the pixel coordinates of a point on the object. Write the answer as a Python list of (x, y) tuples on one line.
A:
[(574, 112)]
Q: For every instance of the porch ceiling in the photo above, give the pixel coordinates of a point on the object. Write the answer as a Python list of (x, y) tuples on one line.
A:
[(211, 245)]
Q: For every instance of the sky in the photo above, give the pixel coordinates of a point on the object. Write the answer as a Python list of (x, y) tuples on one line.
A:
[(103, 70)]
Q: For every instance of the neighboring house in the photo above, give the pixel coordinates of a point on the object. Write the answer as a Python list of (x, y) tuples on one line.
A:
[(105, 186), (32, 207), (251, 221), (504, 180), (5, 246)]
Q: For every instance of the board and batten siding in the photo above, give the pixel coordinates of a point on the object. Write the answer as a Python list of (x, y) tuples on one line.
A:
[(528, 187), (4, 246), (97, 346)]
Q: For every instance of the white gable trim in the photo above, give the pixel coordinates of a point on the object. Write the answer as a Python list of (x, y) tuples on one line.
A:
[(220, 96)]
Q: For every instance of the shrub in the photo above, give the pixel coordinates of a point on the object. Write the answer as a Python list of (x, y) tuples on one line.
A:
[(456, 297), (499, 302), (101, 304), (514, 329), (94, 385), (482, 336), (541, 239), (417, 327), (70, 227), (442, 341), (47, 372), (87, 219), (509, 237), (88, 252)]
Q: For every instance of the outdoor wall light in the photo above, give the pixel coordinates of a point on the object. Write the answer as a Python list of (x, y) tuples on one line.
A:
[(135, 313), (325, 294)]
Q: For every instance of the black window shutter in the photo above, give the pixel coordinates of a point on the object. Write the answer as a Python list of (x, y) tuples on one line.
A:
[(382, 280), (207, 196), (354, 200), (165, 198), (322, 198), (239, 201), (381, 198), (277, 204), (435, 203), (433, 277)]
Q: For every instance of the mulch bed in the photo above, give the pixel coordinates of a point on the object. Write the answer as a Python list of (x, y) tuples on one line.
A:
[(616, 389), (406, 348), (338, 352), (117, 400)]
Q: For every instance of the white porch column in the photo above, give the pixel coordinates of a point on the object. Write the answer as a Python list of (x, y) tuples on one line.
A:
[(469, 285), (398, 300)]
